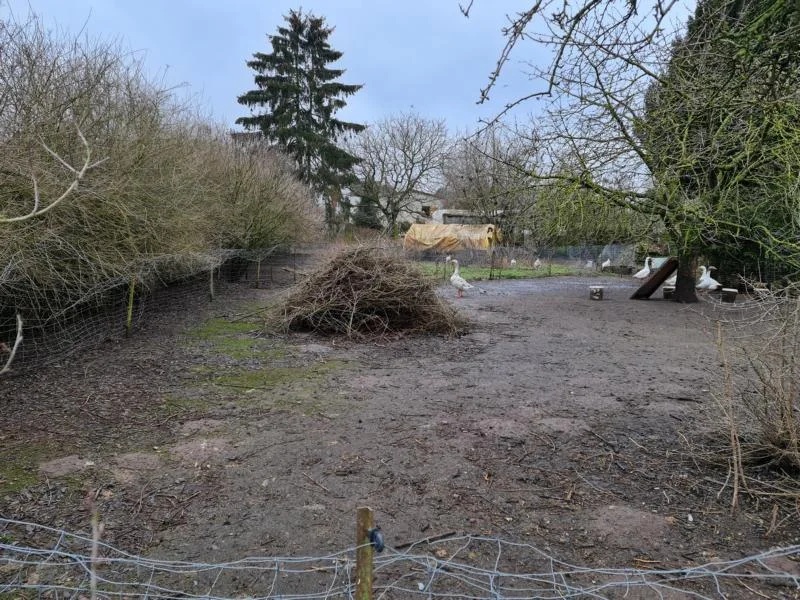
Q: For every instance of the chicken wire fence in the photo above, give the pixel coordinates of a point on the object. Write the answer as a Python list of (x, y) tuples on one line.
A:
[(69, 565), (620, 257), (52, 333)]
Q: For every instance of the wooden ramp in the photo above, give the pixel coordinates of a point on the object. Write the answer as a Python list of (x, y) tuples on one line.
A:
[(656, 279)]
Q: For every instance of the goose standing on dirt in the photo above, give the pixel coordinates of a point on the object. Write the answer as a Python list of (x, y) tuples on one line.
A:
[(645, 272), (458, 282)]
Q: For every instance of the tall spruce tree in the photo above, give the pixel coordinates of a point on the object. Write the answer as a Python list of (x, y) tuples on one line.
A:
[(301, 95)]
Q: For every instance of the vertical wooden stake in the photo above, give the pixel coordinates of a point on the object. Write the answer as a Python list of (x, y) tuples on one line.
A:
[(365, 520), (211, 284), (258, 274), (129, 318)]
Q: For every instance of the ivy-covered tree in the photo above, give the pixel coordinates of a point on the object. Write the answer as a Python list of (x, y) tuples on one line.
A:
[(301, 95), (720, 129)]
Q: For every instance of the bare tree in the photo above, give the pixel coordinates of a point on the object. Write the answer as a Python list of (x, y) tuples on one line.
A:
[(400, 157), (490, 173)]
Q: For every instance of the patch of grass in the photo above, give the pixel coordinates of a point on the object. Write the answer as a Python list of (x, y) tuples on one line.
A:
[(216, 328), (235, 339), (478, 273)]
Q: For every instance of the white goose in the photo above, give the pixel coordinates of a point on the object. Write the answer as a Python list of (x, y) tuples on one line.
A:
[(537, 263), (645, 272), (672, 281), (458, 282), (513, 263), (606, 264), (706, 282)]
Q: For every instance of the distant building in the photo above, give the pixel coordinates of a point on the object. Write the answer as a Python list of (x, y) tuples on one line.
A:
[(457, 216), (420, 208)]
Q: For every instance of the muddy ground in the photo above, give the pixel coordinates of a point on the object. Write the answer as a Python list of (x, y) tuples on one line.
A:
[(557, 421)]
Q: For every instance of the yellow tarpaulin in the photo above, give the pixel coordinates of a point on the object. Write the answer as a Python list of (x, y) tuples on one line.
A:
[(450, 238)]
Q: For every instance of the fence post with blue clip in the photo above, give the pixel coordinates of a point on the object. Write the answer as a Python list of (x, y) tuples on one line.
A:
[(369, 539)]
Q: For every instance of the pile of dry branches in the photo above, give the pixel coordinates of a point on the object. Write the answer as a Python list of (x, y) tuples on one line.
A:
[(365, 291)]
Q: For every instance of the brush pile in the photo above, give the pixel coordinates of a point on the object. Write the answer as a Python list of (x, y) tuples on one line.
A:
[(365, 291)]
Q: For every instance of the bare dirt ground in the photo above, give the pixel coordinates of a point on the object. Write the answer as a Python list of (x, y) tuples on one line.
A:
[(556, 421)]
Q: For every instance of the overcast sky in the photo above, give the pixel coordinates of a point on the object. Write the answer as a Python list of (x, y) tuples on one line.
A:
[(420, 54)]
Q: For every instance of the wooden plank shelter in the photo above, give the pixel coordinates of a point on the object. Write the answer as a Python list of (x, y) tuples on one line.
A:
[(656, 279)]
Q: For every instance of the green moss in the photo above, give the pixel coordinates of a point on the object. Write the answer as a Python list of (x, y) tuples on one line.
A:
[(235, 339), (271, 377), (20, 469), (257, 375), (214, 328)]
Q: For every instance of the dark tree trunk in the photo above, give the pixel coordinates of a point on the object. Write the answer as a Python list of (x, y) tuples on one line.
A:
[(685, 290)]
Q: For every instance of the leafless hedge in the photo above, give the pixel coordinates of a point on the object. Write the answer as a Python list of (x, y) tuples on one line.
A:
[(171, 190)]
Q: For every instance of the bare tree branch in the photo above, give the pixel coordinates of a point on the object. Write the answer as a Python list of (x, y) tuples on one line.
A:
[(12, 352), (78, 173)]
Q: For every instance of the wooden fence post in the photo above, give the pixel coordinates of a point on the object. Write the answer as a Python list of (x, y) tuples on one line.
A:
[(365, 521)]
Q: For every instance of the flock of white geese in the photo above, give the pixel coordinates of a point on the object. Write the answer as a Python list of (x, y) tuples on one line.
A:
[(705, 282)]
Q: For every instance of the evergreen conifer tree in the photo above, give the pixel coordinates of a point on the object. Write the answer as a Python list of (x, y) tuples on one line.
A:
[(301, 94)]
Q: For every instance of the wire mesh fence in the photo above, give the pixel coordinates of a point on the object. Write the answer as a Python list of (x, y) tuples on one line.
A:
[(538, 260), (580, 255), (121, 306), (69, 565)]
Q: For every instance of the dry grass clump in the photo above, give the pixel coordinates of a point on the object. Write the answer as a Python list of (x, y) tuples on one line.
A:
[(364, 291), (756, 413)]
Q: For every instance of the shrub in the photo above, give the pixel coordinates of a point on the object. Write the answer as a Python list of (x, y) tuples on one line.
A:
[(173, 190)]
